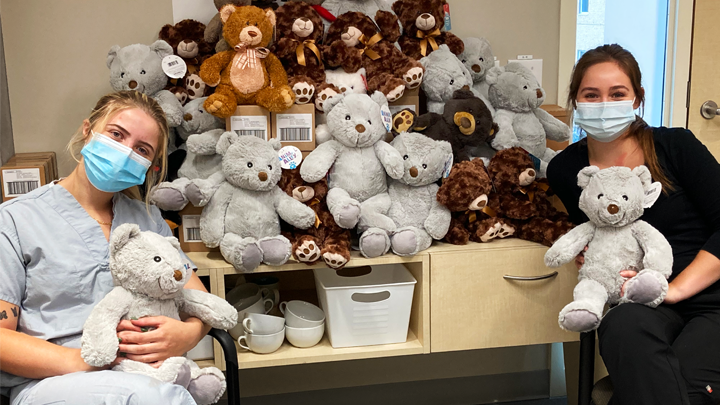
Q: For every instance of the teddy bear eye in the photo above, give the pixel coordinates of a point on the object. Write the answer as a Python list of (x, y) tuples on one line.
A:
[(157, 259), (405, 157), (369, 122), (524, 87), (347, 118), (452, 81), (424, 166), (625, 197), (142, 72), (247, 22), (249, 164), (600, 196), (122, 74), (482, 60), (463, 61), (270, 167)]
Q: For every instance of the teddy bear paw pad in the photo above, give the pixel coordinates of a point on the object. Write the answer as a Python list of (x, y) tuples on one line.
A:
[(307, 252), (579, 320), (491, 233), (287, 97), (413, 77), (334, 260), (403, 121), (644, 288), (396, 93), (216, 106), (303, 92), (506, 230), (206, 389)]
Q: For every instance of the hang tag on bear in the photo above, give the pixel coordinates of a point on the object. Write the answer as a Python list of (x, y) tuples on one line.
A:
[(448, 166), (174, 66), (290, 157), (536, 162), (652, 194), (386, 117), (448, 23)]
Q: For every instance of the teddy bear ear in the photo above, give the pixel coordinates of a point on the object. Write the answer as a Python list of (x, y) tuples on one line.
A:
[(225, 12), (275, 143), (332, 102), (586, 174), (112, 53), (493, 74), (173, 241), (652, 190), (397, 7), (226, 139), (644, 174), (161, 48), (270, 14), (379, 98), (122, 235)]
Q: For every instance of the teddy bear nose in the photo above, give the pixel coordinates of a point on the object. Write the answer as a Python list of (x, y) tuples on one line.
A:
[(539, 93), (477, 68), (531, 173), (303, 19), (464, 122), (177, 275), (413, 171), (187, 117), (360, 128), (301, 189), (425, 16), (132, 84), (466, 87), (252, 34), (262, 176), (613, 209)]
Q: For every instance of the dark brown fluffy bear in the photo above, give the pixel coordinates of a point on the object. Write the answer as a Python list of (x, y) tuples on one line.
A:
[(188, 42), (325, 239), (467, 193), (300, 31), (422, 22), (524, 199), (353, 42)]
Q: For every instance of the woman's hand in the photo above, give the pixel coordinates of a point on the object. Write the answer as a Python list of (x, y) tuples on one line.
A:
[(167, 337), (580, 259), (627, 275)]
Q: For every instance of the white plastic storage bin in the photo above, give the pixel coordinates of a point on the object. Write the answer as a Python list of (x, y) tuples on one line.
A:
[(366, 306)]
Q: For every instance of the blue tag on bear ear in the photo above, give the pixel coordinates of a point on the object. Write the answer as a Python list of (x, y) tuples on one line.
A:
[(536, 162), (448, 24)]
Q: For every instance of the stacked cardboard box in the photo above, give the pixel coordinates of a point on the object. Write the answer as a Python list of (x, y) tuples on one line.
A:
[(25, 172), (296, 127), (189, 232)]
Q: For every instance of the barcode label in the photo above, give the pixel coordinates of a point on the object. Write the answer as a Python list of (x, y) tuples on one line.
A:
[(22, 187), (173, 63), (193, 234), (17, 182), (295, 134), (260, 133), (255, 125), (295, 127), (191, 228)]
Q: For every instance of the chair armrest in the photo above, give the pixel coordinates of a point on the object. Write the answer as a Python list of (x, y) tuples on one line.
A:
[(231, 364)]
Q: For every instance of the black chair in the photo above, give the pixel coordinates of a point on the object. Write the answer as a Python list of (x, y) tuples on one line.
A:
[(587, 368), (231, 364)]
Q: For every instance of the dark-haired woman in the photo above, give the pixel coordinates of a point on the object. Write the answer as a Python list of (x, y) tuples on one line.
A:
[(669, 354)]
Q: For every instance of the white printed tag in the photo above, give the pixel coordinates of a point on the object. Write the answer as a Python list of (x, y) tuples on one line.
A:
[(17, 182), (174, 66), (386, 117), (290, 157), (394, 109), (448, 166), (652, 194), (191, 228), (255, 125), (295, 127)]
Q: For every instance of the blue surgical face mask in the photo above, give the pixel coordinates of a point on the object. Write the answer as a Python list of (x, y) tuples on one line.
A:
[(605, 122), (112, 166)]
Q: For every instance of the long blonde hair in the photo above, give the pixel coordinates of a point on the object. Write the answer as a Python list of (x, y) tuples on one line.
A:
[(109, 106)]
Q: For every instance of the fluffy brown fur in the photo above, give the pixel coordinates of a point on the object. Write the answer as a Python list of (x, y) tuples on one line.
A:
[(413, 13), (392, 72), (263, 83), (326, 240)]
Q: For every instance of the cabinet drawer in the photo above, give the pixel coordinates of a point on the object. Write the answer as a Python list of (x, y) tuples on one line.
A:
[(473, 307)]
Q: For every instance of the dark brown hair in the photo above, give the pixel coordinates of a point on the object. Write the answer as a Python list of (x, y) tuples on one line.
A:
[(638, 129)]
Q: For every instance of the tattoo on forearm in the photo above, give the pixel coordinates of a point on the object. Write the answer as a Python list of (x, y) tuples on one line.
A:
[(3, 315), (15, 311)]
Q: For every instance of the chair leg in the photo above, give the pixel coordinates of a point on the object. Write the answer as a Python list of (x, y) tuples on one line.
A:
[(587, 367), (231, 364)]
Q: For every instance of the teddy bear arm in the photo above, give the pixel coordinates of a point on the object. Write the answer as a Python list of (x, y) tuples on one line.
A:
[(456, 45), (204, 189), (278, 76), (212, 221), (505, 137), (319, 161), (390, 159), (293, 211), (410, 47), (388, 24), (210, 309), (212, 67), (171, 106), (99, 340), (284, 48), (565, 249), (204, 144), (213, 29), (555, 129), (437, 223), (658, 252)]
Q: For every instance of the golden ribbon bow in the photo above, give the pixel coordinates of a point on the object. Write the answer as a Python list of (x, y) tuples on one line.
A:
[(368, 43), (530, 190), (317, 218), (300, 52), (486, 210), (425, 38), (250, 56)]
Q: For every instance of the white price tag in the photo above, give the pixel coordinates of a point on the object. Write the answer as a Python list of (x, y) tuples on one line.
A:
[(174, 66), (255, 125), (295, 127), (386, 117), (191, 228), (290, 157), (448, 166), (17, 182)]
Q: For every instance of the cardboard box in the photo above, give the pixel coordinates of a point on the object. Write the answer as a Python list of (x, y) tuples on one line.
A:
[(26, 172), (189, 232), (250, 120), (39, 157), (563, 115), (411, 100), (295, 127)]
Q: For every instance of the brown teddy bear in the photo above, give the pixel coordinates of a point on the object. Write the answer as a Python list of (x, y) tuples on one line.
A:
[(468, 193), (248, 73), (300, 31), (187, 40), (524, 200), (422, 22), (353, 42), (466, 123), (325, 240)]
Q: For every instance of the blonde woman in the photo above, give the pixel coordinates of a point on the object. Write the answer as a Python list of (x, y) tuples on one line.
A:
[(54, 266)]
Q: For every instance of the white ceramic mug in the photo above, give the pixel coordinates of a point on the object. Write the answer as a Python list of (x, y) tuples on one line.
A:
[(273, 286), (262, 344), (305, 337), (301, 314), (261, 306), (261, 324), (245, 295)]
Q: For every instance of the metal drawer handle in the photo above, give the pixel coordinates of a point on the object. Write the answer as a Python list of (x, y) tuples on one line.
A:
[(531, 278)]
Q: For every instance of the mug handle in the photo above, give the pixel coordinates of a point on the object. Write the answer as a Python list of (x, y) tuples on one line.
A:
[(268, 309), (282, 307), (264, 292), (276, 295), (240, 339), (246, 325)]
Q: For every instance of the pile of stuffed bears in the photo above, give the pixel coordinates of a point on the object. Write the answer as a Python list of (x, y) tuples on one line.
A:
[(468, 167)]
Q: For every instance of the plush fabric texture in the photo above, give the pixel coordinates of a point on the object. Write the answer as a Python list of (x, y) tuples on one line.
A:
[(338, 81), (478, 58), (422, 22), (243, 208), (138, 67), (523, 198), (149, 277), (367, 7), (202, 132), (325, 240), (188, 42), (613, 199), (468, 193), (357, 161), (466, 123), (352, 44), (517, 96), (246, 74), (418, 216), (214, 29)]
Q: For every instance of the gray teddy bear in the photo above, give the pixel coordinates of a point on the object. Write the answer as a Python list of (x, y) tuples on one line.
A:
[(138, 67), (417, 214), (358, 161), (241, 214), (149, 276), (616, 240), (516, 95), (478, 58)]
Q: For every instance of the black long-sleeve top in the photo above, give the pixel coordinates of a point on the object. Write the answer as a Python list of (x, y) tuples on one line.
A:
[(688, 216)]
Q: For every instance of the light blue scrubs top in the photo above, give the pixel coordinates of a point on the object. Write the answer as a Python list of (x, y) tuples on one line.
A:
[(54, 262)]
